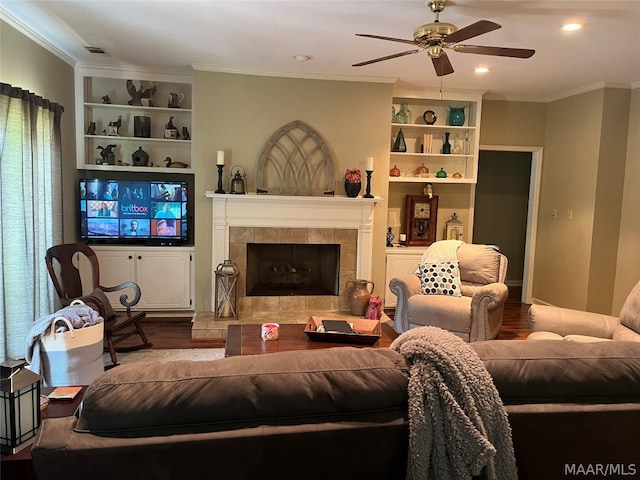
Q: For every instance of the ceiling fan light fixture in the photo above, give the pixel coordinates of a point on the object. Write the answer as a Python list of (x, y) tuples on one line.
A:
[(435, 50), (572, 26)]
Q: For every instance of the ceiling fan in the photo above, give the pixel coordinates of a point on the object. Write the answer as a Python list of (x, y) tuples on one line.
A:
[(436, 36)]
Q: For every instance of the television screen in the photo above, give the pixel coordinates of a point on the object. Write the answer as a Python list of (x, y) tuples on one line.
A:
[(133, 211)]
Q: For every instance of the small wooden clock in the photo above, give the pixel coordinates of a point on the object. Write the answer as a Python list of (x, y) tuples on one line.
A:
[(421, 218)]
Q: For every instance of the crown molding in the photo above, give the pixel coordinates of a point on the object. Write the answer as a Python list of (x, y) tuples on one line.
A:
[(36, 37)]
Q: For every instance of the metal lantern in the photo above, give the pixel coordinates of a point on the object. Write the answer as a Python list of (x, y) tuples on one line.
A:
[(226, 290), (20, 409), (237, 182), (454, 228)]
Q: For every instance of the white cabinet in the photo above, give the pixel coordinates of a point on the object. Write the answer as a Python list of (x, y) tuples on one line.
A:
[(94, 116), (424, 142), (400, 261), (165, 274)]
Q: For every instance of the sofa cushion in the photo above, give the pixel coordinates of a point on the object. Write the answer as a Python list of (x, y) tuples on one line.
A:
[(548, 371), (333, 384), (439, 279), (479, 263), (630, 312)]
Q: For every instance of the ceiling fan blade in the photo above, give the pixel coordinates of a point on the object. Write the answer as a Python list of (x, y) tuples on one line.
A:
[(498, 51), (392, 39), (470, 31), (388, 57), (442, 65)]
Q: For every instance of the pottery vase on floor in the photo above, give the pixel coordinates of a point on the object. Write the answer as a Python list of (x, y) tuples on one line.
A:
[(359, 295)]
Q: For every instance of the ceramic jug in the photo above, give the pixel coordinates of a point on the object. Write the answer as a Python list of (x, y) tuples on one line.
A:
[(175, 99), (359, 295)]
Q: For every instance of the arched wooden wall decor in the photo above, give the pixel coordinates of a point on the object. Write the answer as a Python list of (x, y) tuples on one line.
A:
[(296, 161)]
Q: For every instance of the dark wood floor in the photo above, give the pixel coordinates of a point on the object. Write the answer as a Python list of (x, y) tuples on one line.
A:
[(176, 332)]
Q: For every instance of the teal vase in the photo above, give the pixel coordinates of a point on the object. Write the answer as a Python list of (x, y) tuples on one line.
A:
[(456, 116)]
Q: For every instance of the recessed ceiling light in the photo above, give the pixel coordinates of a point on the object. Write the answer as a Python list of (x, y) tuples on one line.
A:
[(572, 26), (481, 69), (302, 58)]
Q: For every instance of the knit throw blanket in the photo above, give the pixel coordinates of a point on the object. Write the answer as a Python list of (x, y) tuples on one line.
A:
[(457, 423), (441, 251)]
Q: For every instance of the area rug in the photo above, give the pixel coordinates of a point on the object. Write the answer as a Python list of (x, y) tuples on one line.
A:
[(167, 355)]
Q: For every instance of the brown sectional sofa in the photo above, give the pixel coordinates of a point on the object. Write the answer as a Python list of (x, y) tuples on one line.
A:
[(338, 413)]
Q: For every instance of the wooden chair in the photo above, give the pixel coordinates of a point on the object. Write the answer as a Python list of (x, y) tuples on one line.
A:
[(118, 325)]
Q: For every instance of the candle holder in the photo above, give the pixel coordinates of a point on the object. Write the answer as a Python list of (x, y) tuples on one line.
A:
[(368, 190), (220, 190)]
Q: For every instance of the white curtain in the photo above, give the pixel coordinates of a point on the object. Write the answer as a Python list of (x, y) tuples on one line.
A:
[(30, 211)]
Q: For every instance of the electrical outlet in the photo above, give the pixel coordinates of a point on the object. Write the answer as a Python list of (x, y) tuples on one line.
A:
[(569, 214), (554, 213)]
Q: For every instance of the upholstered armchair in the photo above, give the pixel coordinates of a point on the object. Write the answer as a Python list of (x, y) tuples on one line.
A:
[(555, 323), (474, 310)]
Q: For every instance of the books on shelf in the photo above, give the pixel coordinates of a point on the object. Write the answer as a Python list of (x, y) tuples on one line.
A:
[(427, 143)]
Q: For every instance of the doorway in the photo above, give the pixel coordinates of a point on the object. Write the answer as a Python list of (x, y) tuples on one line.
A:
[(506, 207)]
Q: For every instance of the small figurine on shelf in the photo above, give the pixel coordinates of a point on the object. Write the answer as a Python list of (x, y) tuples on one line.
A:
[(428, 190), (171, 164), (170, 130), (107, 154), (106, 100), (185, 134), (138, 94), (91, 130), (113, 129)]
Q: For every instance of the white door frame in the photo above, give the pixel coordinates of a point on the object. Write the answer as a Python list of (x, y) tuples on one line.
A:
[(532, 212)]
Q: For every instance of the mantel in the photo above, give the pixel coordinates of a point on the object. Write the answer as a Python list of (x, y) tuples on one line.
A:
[(253, 210)]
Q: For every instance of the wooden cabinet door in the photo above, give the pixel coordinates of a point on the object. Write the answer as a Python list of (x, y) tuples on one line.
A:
[(402, 262), (164, 277)]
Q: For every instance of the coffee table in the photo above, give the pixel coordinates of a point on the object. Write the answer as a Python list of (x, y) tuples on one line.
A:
[(245, 340)]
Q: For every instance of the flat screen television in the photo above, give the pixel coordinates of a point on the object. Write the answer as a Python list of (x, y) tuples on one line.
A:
[(149, 212)]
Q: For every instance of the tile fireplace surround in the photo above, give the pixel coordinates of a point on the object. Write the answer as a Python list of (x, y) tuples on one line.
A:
[(241, 219)]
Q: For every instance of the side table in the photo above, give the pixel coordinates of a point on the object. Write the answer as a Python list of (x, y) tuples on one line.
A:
[(18, 466)]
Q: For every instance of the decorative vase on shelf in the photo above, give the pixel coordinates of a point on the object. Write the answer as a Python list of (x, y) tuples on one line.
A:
[(441, 173), (404, 115), (399, 145), (352, 183), (456, 116), (394, 172), (390, 236), (446, 146)]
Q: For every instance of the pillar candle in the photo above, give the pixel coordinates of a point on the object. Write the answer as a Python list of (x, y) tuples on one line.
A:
[(369, 164), (220, 160)]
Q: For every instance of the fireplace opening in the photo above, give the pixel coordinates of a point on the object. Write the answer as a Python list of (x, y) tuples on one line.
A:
[(280, 269)]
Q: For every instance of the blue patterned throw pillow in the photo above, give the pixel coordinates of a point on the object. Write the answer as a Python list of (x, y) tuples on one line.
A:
[(439, 279)]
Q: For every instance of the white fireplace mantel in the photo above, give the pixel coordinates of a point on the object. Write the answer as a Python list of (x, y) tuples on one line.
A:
[(252, 210)]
